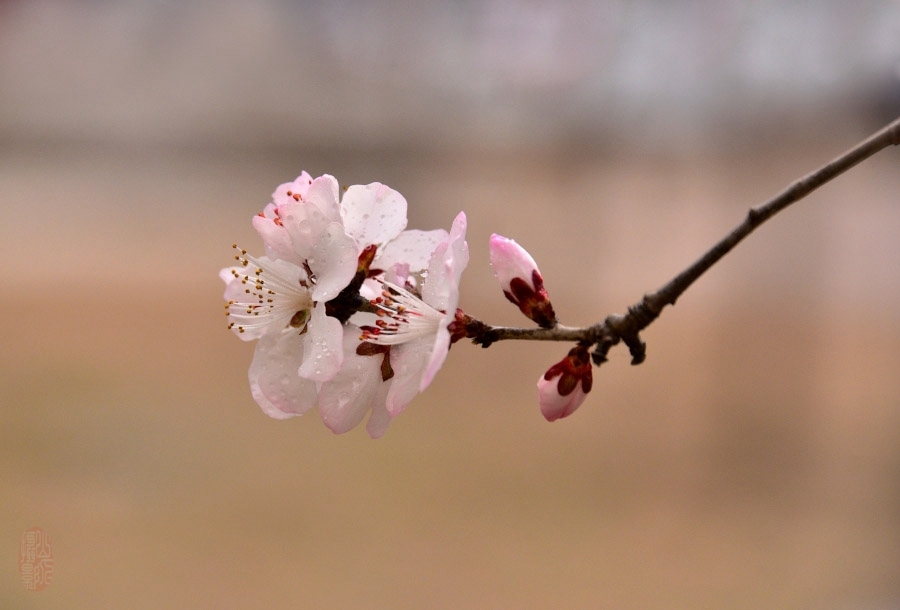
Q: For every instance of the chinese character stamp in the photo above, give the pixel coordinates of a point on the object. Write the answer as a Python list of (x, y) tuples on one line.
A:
[(35, 559)]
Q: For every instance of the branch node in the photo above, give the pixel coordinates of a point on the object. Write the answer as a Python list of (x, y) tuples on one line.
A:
[(480, 333), (598, 357), (643, 313), (754, 216), (627, 328), (637, 348)]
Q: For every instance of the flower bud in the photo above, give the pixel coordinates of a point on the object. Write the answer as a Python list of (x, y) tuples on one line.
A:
[(564, 386), (521, 280)]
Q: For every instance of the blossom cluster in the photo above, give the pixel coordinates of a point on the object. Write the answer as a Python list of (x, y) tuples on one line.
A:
[(354, 314), (351, 311)]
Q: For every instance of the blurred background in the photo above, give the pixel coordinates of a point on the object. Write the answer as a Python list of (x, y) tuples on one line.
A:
[(752, 461)]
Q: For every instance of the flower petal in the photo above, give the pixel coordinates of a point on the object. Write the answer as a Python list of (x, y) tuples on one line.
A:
[(510, 260), (305, 223), (373, 214), (409, 361), (292, 191), (323, 346), (381, 418), (274, 382), (555, 405), (275, 237), (357, 388), (323, 193), (438, 354), (413, 248), (441, 289), (333, 260), (521, 280)]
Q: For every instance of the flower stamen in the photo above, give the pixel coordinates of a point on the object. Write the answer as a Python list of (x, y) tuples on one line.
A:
[(402, 317), (276, 293)]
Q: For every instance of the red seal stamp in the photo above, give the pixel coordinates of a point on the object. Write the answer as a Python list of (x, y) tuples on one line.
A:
[(35, 559)]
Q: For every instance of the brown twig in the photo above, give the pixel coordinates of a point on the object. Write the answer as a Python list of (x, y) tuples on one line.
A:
[(626, 328)]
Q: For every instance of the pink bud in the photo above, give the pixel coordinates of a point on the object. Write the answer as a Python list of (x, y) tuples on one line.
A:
[(565, 385), (521, 280)]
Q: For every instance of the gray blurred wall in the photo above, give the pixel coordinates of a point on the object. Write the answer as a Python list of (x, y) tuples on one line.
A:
[(497, 73)]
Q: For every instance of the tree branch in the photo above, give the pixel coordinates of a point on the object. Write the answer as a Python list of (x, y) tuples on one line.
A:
[(626, 328)]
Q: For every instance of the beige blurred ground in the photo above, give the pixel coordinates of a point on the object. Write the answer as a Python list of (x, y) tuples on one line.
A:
[(751, 462)]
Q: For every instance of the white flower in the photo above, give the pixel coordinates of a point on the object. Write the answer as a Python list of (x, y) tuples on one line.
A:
[(311, 258), (417, 329)]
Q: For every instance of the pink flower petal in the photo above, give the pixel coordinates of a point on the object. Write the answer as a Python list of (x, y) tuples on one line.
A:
[(324, 194), (305, 224), (290, 191), (438, 355), (564, 386), (441, 289), (510, 260), (274, 382), (413, 248), (521, 281), (274, 236), (323, 346), (333, 260), (409, 361), (354, 391), (373, 214), (381, 418), (555, 406)]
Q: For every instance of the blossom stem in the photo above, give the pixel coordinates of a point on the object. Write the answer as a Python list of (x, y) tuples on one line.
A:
[(489, 334), (626, 328)]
